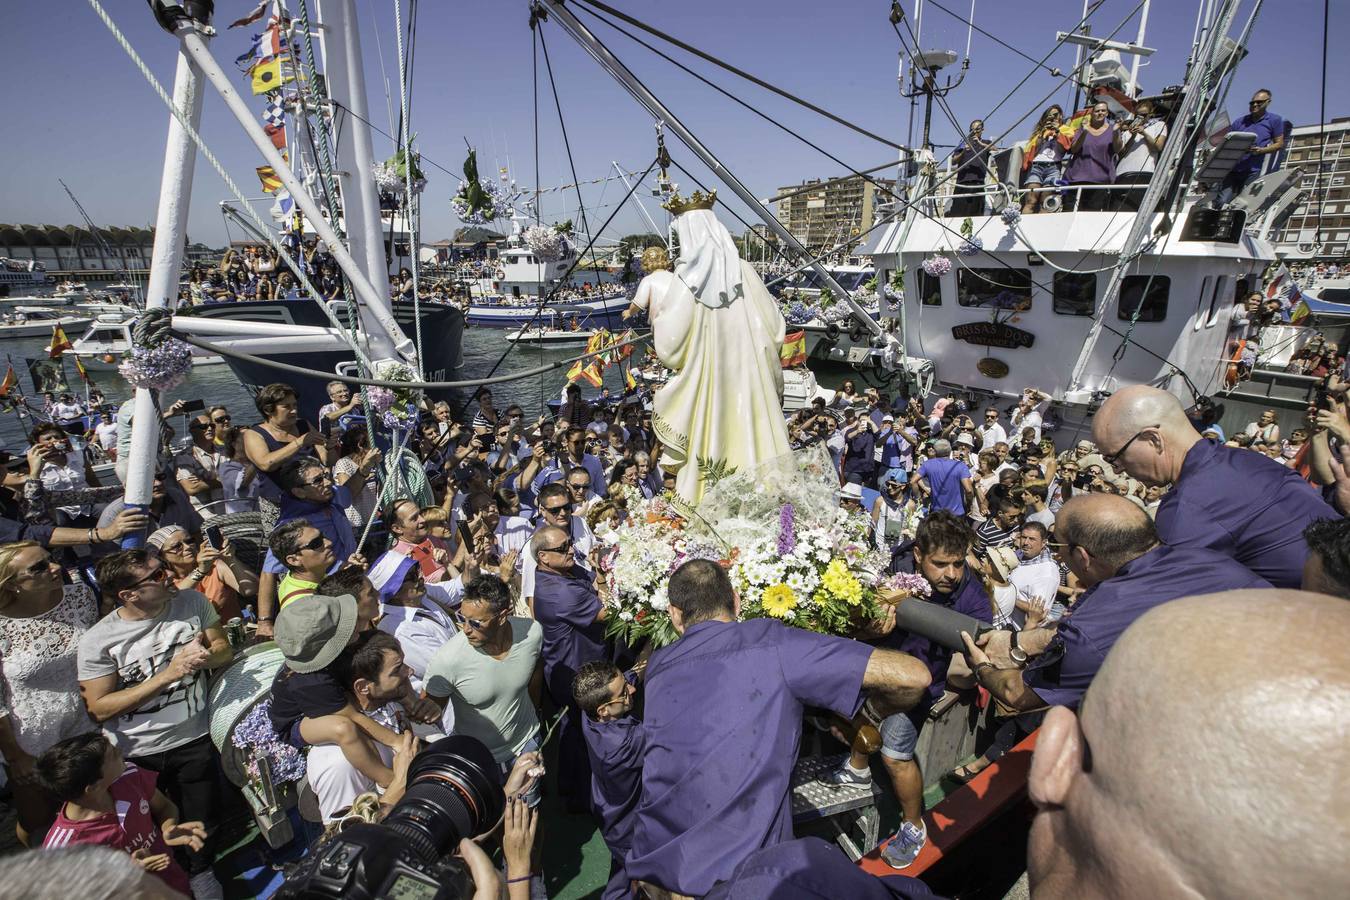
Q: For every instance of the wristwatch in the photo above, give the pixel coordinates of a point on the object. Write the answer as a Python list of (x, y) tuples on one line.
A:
[(1016, 653)]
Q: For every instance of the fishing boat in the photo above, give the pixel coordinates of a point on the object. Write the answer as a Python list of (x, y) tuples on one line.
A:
[(558, 328), (37, 321), (22, 276), (512, 295), (108, 339)]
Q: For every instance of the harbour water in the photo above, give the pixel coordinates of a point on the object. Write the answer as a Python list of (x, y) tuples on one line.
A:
[(217, 385)]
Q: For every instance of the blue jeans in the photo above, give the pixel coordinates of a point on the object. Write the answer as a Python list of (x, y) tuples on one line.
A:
[(899, 737), (1044, 173), (535, 793)]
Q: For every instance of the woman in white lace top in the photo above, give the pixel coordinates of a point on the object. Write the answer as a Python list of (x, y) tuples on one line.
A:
[(41, 622)]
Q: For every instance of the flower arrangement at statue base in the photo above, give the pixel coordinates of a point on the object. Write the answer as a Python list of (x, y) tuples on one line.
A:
[(791, 553), (258, 739)]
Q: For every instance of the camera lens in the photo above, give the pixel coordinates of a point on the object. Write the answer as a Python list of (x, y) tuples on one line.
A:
[(454, 791)]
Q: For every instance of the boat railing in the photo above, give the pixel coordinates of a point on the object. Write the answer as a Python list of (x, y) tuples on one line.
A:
[(997, 196)]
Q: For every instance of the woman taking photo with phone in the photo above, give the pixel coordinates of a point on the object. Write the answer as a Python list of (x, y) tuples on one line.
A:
[(197, 565)]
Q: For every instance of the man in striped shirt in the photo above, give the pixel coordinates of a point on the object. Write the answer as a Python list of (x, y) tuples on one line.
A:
[(999, 529)]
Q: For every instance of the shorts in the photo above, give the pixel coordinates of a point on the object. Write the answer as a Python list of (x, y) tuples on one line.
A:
[(536, 792), (899, 737), (1042, 173)]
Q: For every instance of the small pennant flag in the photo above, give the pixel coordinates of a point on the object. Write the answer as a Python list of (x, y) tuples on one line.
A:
[(1299, 313), (278, 135), (629, 380), (627, 349), (10, 383), (84, 373), (60, 343), (575, 372), (268, 176), (794, 349), (283, 206), (258, 12), (271, 74)]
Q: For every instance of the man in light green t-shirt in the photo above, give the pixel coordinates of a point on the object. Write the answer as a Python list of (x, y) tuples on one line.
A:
[(307, 555), (490, 674)]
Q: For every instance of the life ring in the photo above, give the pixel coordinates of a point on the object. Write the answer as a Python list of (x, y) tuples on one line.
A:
[(501, 274), (1230, 377)]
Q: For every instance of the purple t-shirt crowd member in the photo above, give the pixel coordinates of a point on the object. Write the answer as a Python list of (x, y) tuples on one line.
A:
[(616, 749), (968, 597), (808, 868), (723, 723), (1061, 675), (1243, 505)]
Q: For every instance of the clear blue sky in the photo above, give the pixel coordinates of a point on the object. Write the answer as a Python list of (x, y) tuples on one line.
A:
[(79, 110)]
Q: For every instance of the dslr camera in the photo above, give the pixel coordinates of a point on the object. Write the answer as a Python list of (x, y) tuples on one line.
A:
[(454, 791)]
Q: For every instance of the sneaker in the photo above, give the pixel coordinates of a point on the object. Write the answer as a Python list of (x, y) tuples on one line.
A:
[(845, 775), (904, 847), (205, 886)]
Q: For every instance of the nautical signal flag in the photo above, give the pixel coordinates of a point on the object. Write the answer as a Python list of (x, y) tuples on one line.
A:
[(794, 349), (10, 383), (268, 176), (271, 74), (258, 12), (60, 343), (278, 135)]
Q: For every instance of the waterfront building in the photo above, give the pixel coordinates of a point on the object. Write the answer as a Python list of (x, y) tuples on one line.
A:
[(1323, 153), (822, 214)]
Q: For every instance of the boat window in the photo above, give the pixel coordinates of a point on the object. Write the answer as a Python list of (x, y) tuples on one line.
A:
[(1154, 304), (930, 289), (1215, 298), (1075, 293), (994, 288)]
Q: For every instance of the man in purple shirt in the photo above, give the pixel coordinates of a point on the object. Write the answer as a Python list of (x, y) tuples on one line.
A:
[(941, 544), (808, 868), (572, 616), (616, 745), (1112, 548), (1227, 499), (1271, 135), (723, 722)]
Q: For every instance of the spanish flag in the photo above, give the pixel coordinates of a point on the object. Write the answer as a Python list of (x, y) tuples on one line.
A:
[(271, 74), (268, 176), (10, 383), (60, 343), (794, 349), (629, 380), (627, 349), (594, 373), (79, 367)]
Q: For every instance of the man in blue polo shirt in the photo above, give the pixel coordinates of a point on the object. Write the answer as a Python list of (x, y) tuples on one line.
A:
[(1228, 499), (943, 480), (1113, 550), (723, 722), (1271, 135)]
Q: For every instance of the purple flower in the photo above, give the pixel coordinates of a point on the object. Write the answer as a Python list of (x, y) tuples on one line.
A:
[(937, 266), (255, 735), (787, 535), (1011, 215)]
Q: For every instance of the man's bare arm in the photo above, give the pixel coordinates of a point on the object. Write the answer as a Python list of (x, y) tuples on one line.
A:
[(896, 680)]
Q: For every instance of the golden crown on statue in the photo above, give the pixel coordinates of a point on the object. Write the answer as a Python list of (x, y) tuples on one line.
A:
[(697, 200)]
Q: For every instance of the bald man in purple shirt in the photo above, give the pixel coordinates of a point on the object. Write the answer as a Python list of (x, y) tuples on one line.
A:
[(1112, 548), (723, 722), (1227, 499), (573, 618)]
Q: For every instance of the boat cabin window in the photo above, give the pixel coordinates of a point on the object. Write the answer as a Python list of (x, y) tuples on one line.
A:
[(1075, 293), (1154, 304), (994, 288), (930, 289)]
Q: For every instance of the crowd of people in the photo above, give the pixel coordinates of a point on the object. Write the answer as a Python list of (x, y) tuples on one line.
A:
[(467, 602), (1102, 160)]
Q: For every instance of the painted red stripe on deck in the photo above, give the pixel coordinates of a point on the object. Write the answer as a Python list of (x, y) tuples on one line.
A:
[(965, 810)]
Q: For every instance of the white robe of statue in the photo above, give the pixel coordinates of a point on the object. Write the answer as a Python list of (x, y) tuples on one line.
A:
[(714, 323)]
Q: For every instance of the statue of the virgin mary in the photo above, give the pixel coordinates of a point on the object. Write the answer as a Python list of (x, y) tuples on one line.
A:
[(714, 323)]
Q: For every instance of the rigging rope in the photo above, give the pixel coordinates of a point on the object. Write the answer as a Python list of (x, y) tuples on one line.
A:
[(708, 57), (410, 385), (210, 157), (410, 201)]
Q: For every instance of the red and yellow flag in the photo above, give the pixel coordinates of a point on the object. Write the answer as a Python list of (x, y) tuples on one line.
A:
[(794, 349), (10, 383), (60, 343), (79, 367), (268, 176), (629, 380)]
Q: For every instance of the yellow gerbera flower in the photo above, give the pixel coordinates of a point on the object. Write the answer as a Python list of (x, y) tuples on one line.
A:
[(778, 600), (841, 583)]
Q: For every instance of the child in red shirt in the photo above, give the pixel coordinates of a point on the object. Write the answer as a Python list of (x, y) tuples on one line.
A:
[(111, 803)]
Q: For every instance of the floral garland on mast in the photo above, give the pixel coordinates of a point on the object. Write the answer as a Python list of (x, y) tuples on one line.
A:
[(155, 360)]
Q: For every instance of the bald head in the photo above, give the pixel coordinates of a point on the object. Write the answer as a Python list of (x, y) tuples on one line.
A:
[(1104, 532), (1186, 754), (1151, 428), (548, 536)]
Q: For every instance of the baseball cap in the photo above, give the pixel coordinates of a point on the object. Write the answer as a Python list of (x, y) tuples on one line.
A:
[(888, 418), (312, 631)]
